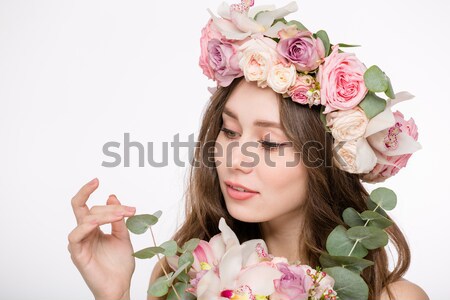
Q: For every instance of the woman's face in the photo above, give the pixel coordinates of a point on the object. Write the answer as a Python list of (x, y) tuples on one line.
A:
[(247, 157)]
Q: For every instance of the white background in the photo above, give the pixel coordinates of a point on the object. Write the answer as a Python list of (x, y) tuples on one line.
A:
[(77, 74)]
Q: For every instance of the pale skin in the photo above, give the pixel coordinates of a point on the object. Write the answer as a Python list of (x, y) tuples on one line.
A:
[(105, 260)]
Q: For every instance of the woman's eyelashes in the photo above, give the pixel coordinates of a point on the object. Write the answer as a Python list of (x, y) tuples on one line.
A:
[(266, 145)]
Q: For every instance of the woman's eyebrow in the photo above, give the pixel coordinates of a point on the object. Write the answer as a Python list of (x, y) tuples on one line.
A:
[(259, 123)]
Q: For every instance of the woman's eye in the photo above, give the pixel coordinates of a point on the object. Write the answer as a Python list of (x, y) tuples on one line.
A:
[(271, 145), (229, 133)]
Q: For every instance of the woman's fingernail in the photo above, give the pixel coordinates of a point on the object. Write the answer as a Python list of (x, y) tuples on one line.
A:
[(93, 181)]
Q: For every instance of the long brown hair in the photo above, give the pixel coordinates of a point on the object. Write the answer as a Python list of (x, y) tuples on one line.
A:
[(330, 191)]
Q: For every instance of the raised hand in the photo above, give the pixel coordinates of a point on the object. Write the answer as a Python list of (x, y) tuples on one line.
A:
[(104, 260)]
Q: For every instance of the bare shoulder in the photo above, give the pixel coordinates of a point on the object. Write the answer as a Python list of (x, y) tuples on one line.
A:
[(153, 277), (404, 289)]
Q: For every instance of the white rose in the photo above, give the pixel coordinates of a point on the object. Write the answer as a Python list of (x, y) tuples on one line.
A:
[(355, 156), (281, 78), (257, 58), (347, 125)]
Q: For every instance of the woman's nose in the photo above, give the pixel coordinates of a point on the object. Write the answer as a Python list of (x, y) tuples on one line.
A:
[(242, 155)]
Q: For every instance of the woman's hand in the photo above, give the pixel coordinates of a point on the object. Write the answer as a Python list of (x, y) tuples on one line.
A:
[(104, 260)]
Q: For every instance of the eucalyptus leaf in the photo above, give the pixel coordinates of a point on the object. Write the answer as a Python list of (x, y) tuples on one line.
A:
[(372, 105), (342, 45), (180, 287), (323, 118), (375, 219), (185, 260), (375, 79), (157, 214), (390, 90), (370, 237), (181, 269), (339, 244), (170, 248), (148, 252), (160, 287), (190, 245), (322, 34), (139, 224), (183, 277), (374, 207), (348, 284), (351, 217), (299, 25), (351, 263), (384, 197)]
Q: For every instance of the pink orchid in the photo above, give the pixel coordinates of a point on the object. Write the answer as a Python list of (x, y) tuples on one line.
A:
[(241, 270)]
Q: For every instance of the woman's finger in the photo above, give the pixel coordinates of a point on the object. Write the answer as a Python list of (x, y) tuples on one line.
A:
[(79, 200), (112, 207), (80, 233), (119, 229)]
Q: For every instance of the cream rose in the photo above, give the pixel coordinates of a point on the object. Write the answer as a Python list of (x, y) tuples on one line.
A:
[(347, 125), (355, 156), (281, 78), (258, 57)]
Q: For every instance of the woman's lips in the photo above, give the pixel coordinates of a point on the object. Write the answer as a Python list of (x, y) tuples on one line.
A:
[(239, 195)]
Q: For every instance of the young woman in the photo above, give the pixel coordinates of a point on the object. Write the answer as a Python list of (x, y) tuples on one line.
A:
[(267, 165)]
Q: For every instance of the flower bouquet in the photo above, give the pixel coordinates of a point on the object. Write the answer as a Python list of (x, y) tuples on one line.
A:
[(222, 268)]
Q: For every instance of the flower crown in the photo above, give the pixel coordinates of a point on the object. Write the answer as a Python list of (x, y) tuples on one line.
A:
[(261, 45)]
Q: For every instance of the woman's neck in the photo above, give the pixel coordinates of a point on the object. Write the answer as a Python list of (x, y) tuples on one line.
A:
[(282, 237)]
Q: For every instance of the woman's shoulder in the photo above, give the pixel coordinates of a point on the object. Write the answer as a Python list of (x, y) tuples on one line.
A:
[(404, 289)]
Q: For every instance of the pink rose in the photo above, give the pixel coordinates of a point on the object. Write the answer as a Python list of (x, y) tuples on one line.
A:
[(209, 32), (294, 284), (389, 165), (303, 50), (341, 81), (304, 90), (223, 61)]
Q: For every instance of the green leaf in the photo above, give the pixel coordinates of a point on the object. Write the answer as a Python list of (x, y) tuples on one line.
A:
[(374, 207), (348, 285), (375, 79), (384, 197), (170, 248), (141, 223), (148, 252), (390, 90), (323, 118), (183, 277), (185, 260), (190, 245), (339, 244), (160, 287), (351, 217), (372, 105), (322, 34), (375, 219), (299, 25), (351, 263), (369, 237), (181, 268), (342, 45), (180, 287), (157, 214)]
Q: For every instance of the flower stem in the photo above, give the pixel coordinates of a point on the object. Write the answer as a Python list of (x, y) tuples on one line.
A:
[(162, 265), (357, 241)]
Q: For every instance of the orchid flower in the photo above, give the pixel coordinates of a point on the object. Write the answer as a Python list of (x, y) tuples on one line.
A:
[(378, 129), (240, 267), (237, 22)]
